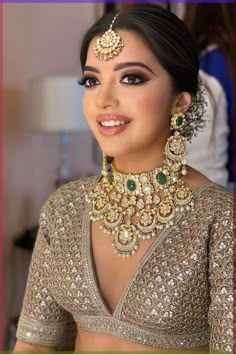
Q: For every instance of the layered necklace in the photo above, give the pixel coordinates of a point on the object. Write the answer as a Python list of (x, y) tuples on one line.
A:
[(134, 207)]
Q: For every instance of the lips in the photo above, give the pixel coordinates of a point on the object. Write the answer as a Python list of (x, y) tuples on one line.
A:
[(111, 117), (112, 124)]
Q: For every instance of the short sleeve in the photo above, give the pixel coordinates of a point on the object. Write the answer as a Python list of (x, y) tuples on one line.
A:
[(220, 314), (43, 321)]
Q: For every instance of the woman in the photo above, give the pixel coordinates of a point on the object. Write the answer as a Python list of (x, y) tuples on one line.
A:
[(212, 31), (171, 287)]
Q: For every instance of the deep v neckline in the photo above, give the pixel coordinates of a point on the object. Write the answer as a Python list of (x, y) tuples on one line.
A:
[(88, 261), (90, 266)]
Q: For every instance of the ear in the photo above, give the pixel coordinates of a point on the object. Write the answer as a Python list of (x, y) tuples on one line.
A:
[(182, 102)]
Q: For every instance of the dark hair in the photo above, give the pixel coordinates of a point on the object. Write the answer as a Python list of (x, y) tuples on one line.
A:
[(164, 33), (211, 24)]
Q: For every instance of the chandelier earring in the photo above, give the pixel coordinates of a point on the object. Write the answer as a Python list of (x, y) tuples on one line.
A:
[(176, 145)]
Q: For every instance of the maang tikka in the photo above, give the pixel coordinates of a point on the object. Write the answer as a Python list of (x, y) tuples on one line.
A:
[(135, 206), (109, 45)]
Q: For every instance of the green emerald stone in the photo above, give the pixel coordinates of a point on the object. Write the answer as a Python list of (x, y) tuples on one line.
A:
[(161, 178), (111, 177), (179, 120), (131, 185)]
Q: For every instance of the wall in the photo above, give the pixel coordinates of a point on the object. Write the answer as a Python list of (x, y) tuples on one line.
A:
[(38, 39)]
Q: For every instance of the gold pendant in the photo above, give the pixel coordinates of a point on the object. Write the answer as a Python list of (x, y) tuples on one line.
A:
[(165, 211), (126, 240), (183, 195), (146, 224)]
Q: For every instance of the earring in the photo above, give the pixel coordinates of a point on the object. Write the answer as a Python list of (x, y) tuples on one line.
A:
[(177, 121), (176, 146)]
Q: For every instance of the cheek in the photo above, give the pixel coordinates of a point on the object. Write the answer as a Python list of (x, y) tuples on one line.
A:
[(89, 112), (149, 104), (86, 107), (155, 104)]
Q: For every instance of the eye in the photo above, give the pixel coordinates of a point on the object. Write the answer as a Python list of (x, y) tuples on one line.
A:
[(88, 81), (133, 79)]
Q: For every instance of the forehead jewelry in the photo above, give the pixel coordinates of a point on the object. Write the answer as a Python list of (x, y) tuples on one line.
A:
[(109, 45)]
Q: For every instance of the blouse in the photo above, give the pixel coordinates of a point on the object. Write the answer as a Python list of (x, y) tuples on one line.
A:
[(179, 296)]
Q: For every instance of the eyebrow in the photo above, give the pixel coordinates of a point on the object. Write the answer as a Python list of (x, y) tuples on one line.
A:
[(120, 66)]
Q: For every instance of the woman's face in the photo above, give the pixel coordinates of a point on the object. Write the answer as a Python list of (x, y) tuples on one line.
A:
[(128, 100)]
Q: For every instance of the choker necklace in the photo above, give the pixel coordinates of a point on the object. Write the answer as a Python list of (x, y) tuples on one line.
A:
[(135, 206)]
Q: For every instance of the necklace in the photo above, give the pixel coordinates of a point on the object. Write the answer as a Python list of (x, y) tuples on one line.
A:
[(135, 206)]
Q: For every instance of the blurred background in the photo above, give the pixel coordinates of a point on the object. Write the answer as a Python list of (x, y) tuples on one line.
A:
[(41, 42), (39, 39)]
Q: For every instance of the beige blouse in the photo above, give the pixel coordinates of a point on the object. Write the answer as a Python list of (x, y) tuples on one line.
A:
[(179, 296)]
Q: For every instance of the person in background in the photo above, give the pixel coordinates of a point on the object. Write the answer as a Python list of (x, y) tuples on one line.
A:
[(211, 152)]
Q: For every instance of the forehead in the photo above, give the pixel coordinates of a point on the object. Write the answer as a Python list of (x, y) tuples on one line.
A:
[(134, 49)]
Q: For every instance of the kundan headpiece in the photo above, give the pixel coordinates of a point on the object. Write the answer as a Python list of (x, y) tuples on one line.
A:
[(109, 45)]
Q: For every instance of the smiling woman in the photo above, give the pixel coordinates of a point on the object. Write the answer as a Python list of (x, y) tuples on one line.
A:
[(171, 287)]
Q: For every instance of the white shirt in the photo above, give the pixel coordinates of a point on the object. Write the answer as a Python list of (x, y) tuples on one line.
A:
[(207, 152)]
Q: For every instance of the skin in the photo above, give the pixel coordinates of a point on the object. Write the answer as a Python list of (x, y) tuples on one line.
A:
[(148, 105), (138, 148)]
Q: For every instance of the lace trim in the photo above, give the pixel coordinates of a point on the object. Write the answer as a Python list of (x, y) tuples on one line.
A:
[(117, 328), (43, 334)]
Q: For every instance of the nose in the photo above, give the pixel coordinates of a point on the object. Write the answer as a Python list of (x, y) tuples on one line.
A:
[(106, 97)]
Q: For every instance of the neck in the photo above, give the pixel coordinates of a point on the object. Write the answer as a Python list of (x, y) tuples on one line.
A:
[(138, 163)]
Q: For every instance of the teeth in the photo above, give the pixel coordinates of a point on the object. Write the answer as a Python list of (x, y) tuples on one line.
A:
[(112, 123)]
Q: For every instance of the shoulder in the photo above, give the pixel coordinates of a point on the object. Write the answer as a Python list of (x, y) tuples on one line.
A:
[(194, 178), (70, 195), (207, 193), (218, 194), (73, 189), (62, 213), (215, 203)]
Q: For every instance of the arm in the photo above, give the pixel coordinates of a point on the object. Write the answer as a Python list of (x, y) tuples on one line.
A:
[(43, 322), (25, 347), (221, 277)]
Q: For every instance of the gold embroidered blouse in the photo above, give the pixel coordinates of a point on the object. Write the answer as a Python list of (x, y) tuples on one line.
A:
[(179, 296)]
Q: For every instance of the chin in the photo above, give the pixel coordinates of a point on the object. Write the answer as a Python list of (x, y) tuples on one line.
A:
[(113, 150), (116, 153)]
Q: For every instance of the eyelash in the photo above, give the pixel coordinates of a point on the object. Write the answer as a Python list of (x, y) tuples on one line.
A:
[(84, 79), (142, 79)]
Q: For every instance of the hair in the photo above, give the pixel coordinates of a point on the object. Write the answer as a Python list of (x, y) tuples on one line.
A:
[(164, 34), (211, 24)]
